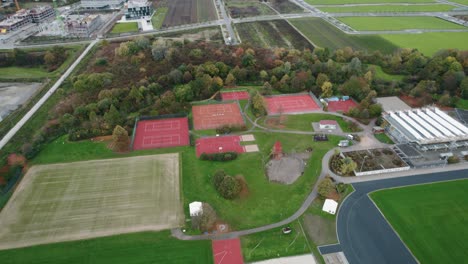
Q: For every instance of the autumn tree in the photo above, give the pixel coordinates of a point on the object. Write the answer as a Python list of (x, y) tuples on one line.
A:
[(348, 166), (120, 139), (258, 105), (230, 80), (327, 90), (325, 187)]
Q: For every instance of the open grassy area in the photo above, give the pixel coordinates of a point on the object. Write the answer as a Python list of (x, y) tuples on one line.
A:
[(383, 138), (125, 27), (398, 23), (340, 2), (21, 72), (271, 34), (273, 243), (303, 122), (147, 247), (430, 219), (158, 17), (430, 43), (380, 74), (322, 34), (388, 8), (462, 104), (71, 201)]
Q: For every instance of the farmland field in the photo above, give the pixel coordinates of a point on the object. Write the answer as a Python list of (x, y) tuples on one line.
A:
[(398, 23), (248, 8), (71, 201), (145, 247), (341, 2), (183, 12), (285, 6), (206, 10), (277, 33), (430, 43), (388, 8), (324, 35), (125, 27), (430, 219)]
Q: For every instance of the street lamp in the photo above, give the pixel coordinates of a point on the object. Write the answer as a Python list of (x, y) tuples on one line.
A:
[(364, 160)]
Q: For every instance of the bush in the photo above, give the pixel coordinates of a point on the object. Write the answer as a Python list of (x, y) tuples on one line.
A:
[(453, 159), (223, 156), (14, 171), (341, 187), (230, 187), (218, 178), (325, 187), (226, 129)]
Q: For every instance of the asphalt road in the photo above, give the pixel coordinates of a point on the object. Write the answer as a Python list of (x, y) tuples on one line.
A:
[(364, 234)]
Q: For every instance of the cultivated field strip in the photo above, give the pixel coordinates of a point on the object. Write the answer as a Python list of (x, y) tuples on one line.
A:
[(95, 198)]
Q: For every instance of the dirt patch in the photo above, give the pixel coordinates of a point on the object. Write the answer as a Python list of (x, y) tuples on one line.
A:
[(275, 122), (334, 195), (287, 169), (181, 12), (102, 138), (244, 193), (412, 101), (247, 11), (322, 230)]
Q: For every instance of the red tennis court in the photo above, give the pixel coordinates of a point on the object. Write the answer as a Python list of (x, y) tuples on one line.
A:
[(216, 115), (210, 145), (342, 106), (291, 104), (227, 251), (235, 95), (161, 133)]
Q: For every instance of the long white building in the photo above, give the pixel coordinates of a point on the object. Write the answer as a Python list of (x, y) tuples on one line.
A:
[(426, 126), (102, 4)]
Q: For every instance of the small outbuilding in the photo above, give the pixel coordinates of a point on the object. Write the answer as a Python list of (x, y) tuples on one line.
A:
[(330, 206), (196, 208), (328, 124)]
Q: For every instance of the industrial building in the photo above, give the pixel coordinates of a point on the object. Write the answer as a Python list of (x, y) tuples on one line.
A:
[(82, 25), (137, 9), (429, 128), (101, 4)]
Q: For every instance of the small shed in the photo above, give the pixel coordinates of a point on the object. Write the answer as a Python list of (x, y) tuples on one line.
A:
[(196, 208), (328, 124), (330, 206)]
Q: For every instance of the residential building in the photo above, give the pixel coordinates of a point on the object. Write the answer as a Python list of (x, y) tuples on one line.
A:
[(82, 25)]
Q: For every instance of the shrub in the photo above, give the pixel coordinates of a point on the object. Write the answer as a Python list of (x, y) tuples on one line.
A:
[(223, 156), (226, 129), (453, 159), (230, 187), (325, 187), (341, 187), (218, 178), (205, 220)]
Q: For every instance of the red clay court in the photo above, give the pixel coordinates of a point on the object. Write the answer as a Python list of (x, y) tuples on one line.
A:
[(291, 104), (342, 106), (216, 115), (227, 251), (161, 133), (235, 95), (210, 145)]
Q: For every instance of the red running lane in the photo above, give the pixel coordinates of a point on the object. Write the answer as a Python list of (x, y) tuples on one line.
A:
[(210, 145), (288, 104), (342, 106), (161, 133), (227, 251), (212, 116), (239, 95)]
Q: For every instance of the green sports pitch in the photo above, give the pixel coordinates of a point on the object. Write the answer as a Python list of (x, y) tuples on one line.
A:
[(431, 219), (79, 200)]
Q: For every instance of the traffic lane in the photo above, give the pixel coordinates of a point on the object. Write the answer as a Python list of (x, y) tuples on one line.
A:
[(330, 249), (366, 237)]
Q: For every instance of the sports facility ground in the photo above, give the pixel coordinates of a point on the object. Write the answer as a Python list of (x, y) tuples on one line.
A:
[(227, 251), (291, 104), (430, 219), (235, 95), (79, 200), (212, 116), (161, 133), (341, 106), (210, 145)]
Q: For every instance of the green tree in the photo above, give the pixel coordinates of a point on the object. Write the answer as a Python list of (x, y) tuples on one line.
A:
[(464, 88), (325, 187), (327, 90), (230, 187), (112, 117), (258, 105), (266, 89), (321, 78), (230, 80), (348, 166), (120, 139)]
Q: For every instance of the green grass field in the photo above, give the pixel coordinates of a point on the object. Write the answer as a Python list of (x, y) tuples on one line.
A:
[(388, 8), (71, 201), (158, 17), (322, 34), (125, 27), (273, 243), (398, 23), (341, 2), (462, 104), (383, 138), (147, 247), (380, 74), (304, 122), (463, 2), (430, 43), (20, 72), (430, 219)]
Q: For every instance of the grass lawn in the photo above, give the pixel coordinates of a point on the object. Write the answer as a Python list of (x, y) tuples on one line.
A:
[(324, 35), (380, 74), (384, 138), (388, 8), (430, 43), (340, 2), (398, 23), (125, 27), (462, 104), (265, 203), (147, 247), (79, 200), (158, 17), (273, 243), (303, 122), (20, 72), (430, 219)]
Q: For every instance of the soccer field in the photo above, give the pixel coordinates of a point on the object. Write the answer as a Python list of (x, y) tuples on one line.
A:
[(80, 200), (430, 219)]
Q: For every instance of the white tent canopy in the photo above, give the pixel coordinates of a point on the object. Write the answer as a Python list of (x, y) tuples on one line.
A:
[(330, 206), (196, 208)]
